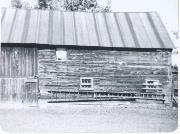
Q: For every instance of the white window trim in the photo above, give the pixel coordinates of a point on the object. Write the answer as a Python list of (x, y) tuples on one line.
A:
[(62, 58), (91, 84)]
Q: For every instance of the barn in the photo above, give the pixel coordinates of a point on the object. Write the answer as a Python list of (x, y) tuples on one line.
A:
[(84, 56)]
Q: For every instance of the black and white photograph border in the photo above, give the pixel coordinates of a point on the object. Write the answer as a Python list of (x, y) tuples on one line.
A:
[(91, 66)]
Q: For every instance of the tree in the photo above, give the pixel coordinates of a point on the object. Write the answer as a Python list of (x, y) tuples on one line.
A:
[(20, 4), (16, 3), (64, 5), (74, 5), (43, 4)]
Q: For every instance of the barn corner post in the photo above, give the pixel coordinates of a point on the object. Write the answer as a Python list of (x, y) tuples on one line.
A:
[(170, 77), (168, 88)]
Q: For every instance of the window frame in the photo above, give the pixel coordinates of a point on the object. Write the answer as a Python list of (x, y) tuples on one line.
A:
[(61, 50), (91, 83)]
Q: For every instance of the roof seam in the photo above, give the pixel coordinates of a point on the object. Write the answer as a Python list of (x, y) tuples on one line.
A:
[(108, 32), (2, 18), (12, 26), (132, 30), (26, 26), (165, 29), (75, 29), (155, 31), (119, 30), (87, 30), (50, 27), (96, 29), (63, 27), (146, 31), (38, 24)]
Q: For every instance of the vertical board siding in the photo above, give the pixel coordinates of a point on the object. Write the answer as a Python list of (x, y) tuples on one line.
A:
[(18, 65), (11, 89), (17, 90), (18, 62), (118, 71)]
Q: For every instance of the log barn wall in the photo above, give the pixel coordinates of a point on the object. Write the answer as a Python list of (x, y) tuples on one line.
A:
[(118, 71)]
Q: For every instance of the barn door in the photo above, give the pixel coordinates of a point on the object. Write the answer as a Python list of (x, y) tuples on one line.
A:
[(30, 92), (18, 68)]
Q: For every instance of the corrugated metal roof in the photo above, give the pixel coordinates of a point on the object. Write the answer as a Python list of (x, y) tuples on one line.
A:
[(124, 30)]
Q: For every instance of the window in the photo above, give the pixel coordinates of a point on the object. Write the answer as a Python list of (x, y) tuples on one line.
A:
[(61, 55), (86, 83)]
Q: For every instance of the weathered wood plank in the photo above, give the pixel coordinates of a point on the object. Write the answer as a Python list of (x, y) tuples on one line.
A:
[(18, 62), (13, 89)]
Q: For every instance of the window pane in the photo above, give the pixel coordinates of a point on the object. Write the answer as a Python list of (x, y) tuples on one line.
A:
[(86, 86), (61, 55), (86, 83)]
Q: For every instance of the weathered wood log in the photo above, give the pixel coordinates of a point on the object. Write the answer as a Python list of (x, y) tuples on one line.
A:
[(111, 70)]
